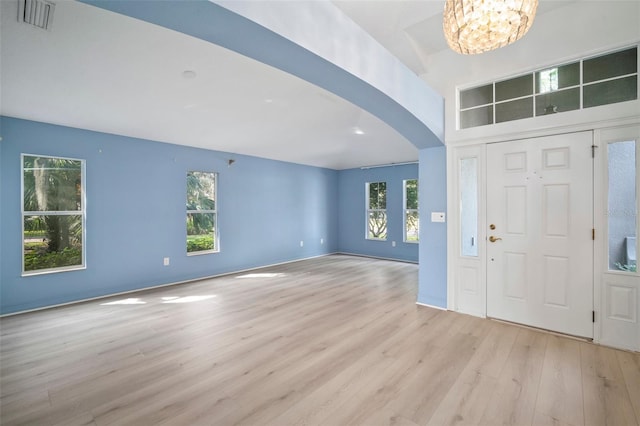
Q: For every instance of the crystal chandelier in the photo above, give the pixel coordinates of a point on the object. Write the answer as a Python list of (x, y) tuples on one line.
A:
[(476, 26)]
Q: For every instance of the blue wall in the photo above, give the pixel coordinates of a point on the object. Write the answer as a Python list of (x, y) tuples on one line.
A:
[(136, 213), (351, 211), (432, 277)]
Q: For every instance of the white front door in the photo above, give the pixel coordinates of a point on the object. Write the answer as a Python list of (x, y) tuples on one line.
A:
[(539, 227)]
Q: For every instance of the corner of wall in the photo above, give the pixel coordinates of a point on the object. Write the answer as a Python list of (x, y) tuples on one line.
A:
[(432, 277)]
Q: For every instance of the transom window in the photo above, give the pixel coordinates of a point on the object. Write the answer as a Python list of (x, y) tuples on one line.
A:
[(601, 80), (53, 216)]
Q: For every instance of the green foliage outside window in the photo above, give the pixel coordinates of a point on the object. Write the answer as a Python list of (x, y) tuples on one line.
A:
[(52, 213), (377, 210), (201, 212), (411, 218)]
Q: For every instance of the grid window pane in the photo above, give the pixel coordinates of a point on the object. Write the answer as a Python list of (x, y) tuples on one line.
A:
[(476, 117), (514, 88), (412, 226), (610, 92), (52, 184), (514, 110), (377, 225), (561, 101), (558, 78), (201, 232), (411, 194), (51, 242), (201, 191), (612, 65), (476, 96), (378, 195)]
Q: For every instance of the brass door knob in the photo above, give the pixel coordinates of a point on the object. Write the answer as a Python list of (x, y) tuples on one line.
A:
[(494, 239)]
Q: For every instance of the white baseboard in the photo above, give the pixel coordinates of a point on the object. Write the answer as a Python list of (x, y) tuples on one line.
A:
[(208, 277), (432, 306), (376, 257)]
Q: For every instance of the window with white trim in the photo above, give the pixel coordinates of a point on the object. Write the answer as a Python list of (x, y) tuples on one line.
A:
[(622, 213), (411, 215), (53, 216), (376, 210), (595, 81), (202, 213)]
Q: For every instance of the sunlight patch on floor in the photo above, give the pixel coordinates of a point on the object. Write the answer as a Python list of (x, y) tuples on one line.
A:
[(263, 275), (129, 301), (186, 299), (166, 299)]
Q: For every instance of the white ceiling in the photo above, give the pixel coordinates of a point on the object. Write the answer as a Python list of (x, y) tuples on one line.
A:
[(102, 71), (412, 29)]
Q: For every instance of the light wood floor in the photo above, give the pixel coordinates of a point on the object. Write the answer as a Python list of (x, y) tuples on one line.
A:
[(334, 341)]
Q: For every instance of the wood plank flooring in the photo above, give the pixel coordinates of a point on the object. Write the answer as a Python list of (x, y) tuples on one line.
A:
[(336, 340)]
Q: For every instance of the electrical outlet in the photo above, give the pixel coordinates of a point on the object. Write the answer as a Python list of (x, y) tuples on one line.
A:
[(393, 243), (301, 243), (166, 261), (321, 241)]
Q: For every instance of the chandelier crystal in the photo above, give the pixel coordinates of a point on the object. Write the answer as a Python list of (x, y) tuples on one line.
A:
[(476, 26)]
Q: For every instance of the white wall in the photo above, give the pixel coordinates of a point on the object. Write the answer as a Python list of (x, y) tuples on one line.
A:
[(567, 33), (579, 29)]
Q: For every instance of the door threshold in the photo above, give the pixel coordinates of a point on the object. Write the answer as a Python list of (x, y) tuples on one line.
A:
[(556, 333)]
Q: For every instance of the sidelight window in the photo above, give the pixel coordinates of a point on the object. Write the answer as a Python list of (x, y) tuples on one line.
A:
[(469, 206), (622, 206)]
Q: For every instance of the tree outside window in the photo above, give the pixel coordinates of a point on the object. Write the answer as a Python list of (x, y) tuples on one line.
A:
[(411, 216), (53, 218), (202, 216), (377, 210)]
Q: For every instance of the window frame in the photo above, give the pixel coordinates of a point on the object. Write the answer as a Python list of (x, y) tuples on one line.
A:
[(369, 210), (636, 160), (489, 108), (82, 213), (407, 210), (214, 212)]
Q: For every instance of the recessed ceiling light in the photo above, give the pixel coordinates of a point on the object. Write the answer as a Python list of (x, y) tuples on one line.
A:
[(189, 74), (358, 131)]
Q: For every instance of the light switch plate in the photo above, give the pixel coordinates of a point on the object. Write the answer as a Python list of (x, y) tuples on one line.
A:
[(437, 217)]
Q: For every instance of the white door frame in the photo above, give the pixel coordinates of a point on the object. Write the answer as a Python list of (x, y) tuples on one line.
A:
[(469, 298), (456, 263)]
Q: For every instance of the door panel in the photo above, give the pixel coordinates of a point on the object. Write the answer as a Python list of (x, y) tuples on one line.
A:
[(540, 204)]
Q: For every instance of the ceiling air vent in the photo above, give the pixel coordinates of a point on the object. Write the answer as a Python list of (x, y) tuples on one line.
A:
[(38, 13)]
